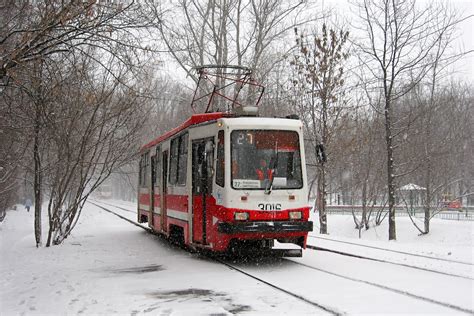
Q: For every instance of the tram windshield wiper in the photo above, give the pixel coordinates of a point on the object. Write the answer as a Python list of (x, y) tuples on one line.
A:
[(273, 164)]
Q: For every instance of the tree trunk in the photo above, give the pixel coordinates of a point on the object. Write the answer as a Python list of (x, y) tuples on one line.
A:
[(38, 176), (428, 197), (392, 235), (323, 228), (51, 228), (364, 221)]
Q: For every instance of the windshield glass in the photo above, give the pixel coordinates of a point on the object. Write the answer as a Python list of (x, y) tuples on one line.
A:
[(261, 157)]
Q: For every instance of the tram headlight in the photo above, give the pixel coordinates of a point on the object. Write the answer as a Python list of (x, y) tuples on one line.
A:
[(295, 215), (241, 216)]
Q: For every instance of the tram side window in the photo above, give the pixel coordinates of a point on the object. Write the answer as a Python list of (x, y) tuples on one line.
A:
[(143, 170), (220, 175), (182, 159), (173, 161), (146, 169), (179, 153), (157, 173), (140, 172), (152, 170)]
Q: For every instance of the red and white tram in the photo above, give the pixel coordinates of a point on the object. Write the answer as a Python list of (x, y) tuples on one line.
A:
[(226, 182)]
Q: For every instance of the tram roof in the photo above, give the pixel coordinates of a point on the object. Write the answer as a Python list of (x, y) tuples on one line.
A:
[(207, 117), (193, 120)]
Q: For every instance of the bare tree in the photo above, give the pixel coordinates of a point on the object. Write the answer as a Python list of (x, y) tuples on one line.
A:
[(240, 32), (9, 155), (92, 129), (367, 157), (401, 38), (43, 44), (318, 65), (440, 61), (33, 31), (444, 121)]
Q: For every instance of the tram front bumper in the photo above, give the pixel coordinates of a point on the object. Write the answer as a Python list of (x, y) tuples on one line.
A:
[(264, 227)]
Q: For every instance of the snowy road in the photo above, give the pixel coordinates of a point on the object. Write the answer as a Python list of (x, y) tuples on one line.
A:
[(111, 266)]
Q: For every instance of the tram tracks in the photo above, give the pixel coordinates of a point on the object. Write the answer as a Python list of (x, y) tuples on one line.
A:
[(119, 207), (328, 309), (451, 264), (314, 303), (120, 216), (342, 253), (388, 288), (393, 251)]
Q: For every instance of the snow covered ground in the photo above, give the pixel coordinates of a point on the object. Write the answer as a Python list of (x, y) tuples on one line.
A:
[(448, 238), (109, 266)]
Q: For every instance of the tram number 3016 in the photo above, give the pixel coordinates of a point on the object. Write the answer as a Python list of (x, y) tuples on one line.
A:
[(269, 206)]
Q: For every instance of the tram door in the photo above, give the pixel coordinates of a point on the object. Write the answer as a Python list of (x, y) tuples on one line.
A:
[(202, 163), (164, 182)]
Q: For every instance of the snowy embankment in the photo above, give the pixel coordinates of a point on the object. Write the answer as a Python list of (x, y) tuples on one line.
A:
[(110, 266), (448, 240)]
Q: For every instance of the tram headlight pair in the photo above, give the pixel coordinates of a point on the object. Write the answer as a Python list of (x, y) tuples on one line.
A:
[(295, 215), (241, 216)]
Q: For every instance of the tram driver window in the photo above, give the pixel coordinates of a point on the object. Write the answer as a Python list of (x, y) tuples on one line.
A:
[(260, 157)]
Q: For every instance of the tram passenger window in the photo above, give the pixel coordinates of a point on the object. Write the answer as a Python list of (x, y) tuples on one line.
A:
[(146, 170), (140, 172), (182, 159), (174, 160), (178, 161), (152, 170), (158, 167), (220, 175)]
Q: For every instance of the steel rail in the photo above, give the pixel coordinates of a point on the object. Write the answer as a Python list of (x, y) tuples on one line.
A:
[(122, 208), (387, 261), (391, 250)]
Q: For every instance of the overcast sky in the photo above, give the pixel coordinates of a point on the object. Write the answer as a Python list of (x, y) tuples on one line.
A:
[(464, 69), (465, 42)]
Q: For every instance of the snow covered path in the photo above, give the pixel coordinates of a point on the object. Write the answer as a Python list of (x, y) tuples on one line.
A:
[(110, 266)]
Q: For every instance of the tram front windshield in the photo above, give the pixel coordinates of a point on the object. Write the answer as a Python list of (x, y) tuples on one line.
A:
[(263, 159)]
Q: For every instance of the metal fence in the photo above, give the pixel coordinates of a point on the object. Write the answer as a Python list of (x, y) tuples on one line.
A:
[(464, 214)]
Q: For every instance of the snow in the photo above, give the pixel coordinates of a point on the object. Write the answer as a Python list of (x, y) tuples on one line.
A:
[(448, 239), (412, 187), (109, 266)]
